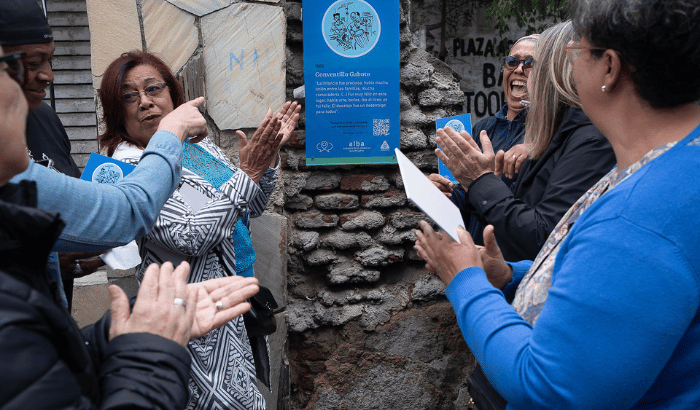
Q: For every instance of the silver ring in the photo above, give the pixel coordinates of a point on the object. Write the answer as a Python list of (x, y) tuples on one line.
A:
[(77, 271), (514, 156), (220, 305), (181, 302), (283, 119)]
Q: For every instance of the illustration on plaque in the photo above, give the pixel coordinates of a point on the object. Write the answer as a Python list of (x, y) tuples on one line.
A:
[(351, 28)]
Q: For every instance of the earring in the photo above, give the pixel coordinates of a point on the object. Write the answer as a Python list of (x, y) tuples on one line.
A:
[(603, 88)]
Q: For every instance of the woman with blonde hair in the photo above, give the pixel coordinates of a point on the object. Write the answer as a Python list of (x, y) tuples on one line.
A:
[(566, 156)]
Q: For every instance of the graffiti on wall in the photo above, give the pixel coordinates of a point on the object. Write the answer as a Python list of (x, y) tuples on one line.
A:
[(486, 96), (477, 60)]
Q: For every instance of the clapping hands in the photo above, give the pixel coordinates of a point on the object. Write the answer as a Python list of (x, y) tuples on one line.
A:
[(169, 307), (462, 155), (275, 130)]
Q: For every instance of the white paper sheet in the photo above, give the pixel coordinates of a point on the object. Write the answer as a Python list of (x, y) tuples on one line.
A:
[(122, 258), (428, 197)]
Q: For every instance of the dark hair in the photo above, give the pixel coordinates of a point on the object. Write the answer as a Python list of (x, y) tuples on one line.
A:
[(659, 39), (111, 95)]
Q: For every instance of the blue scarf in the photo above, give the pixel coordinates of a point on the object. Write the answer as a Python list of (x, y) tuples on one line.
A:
[(204, 164)]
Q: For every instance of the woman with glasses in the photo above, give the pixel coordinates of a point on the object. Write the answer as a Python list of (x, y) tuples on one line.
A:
[(505, 129), (566, 156), (608, 314), (198, 221), (131, 358)]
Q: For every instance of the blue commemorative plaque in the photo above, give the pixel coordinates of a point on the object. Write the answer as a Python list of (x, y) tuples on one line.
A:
[(351, 76)]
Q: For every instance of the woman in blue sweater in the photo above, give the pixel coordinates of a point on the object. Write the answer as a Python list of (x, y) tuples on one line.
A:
[(608, 314)]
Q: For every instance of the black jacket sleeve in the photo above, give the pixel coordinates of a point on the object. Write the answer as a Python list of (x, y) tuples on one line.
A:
[(45, 363), (142, 370), (522, 228), (138, 370)]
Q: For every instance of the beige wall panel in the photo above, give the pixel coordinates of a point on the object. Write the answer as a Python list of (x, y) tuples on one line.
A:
[(170, 32), (245, 63), (114, 29), (200, 7)]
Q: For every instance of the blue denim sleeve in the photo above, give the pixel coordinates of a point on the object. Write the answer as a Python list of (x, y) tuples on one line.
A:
[(101, 216)]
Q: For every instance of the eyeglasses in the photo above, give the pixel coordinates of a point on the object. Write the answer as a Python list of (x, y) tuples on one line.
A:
[(14, 66), (152, 90), (573, 50), (511, 63)]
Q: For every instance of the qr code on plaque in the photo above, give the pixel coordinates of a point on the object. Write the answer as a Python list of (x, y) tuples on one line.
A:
[(381, 127)]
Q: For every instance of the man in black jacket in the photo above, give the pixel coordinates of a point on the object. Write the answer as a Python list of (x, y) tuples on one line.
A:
[(132, 358)]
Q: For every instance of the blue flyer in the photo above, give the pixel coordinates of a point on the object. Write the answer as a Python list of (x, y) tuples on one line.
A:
[(458, 123), (105, 170), (351, 79)]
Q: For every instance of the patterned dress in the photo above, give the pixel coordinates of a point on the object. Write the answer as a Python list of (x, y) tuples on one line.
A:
[(223, 371)]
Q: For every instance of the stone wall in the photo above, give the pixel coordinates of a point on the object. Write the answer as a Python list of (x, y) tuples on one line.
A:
[(369, 327), (366, 325)]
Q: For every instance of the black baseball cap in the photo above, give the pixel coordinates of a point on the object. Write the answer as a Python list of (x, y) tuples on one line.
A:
[(23, 22)]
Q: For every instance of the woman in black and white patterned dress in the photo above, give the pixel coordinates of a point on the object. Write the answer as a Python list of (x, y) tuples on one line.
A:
[(197, 221)]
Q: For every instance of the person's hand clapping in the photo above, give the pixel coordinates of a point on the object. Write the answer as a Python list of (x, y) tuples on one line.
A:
[(289, 115), (256, 155), (498, 272), (462, 156), (164, 306), (443, 184), (186, 121), (221, 300), (509, 163), (443, 255)]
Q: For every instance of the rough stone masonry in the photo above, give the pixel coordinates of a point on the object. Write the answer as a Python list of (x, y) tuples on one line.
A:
[(369, 327)]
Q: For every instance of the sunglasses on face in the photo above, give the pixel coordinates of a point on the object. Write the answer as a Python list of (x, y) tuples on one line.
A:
[(511, 63), (152, 90), (13, 66)]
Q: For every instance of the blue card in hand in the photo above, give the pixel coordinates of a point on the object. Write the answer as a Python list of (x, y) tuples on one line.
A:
[(458, 123), (105, 170)]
